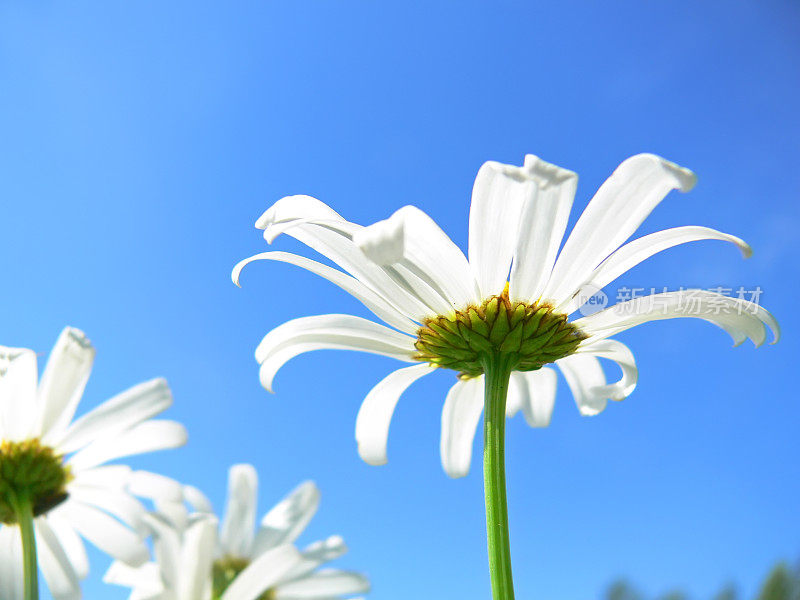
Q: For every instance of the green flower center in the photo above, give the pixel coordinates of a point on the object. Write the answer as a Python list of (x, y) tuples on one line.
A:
[(225, 570), (527, 335), (30, 473)]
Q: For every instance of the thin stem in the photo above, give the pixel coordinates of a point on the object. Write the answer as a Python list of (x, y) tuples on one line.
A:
[(497, 373), (24, 510)]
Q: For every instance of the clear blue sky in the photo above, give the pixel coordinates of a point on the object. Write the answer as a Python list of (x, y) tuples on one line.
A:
[(139, 141)]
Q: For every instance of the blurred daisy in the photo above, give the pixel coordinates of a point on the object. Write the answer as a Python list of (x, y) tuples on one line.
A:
[(193, 561), (52, 466), (506, 307)]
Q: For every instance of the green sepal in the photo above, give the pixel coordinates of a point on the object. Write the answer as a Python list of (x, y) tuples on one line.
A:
[(500, 327), (477, 323), (513, 340)]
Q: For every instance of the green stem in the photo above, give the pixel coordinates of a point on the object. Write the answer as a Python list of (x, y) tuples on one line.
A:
[(24, 510), (497, 371)]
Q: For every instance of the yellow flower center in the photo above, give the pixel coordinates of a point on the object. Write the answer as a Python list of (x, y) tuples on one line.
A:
[(528, 335), (225, 570), (30, 472)]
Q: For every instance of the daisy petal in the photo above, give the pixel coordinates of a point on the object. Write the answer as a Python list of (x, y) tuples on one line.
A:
[(535, 393), (287, 519), (197, 499), (411, 238), (375, 414), (460, 416), (498, 197), (616, 211), (117, 503), (155, 487), (291, 209), (106, 477), (12, 585), (317, 554), (741, 319), (145, 578), (620, 354), (64, 379), (125, 410), (263, 573), (341, 332), (316, 225), (633, 253), (18, 377), (145, 437), (329, 582), (373, 301), (62, 581), (105, 532), (239, 522), (542, 225), (71, 542), (197, 556), (586, 380), (166, 547)]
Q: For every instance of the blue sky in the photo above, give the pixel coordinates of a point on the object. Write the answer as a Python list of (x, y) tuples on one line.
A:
[(140, 141)]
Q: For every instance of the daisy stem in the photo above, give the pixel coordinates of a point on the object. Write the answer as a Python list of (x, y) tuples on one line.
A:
[(24, 510), (497, 374)]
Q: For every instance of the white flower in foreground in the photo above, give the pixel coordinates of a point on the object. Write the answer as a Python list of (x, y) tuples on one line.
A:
[(507, 304), (55, 462), (194, 562)]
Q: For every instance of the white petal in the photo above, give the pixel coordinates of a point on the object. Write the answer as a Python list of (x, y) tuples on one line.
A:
[(586, 379), (315, 224), (145, 437), (341, 332), (197, 499), (616, 211), (317, 554), (373, 301), (105, 477), (18, 378), (167, 547), (321, 584), (155, 486), (535, 392), (543, 222), (498, 197), (460, 417), (64, 379), (12, 585), (287, 520), (71, 542), (122, 412), (291, 209), (741, 319), (105, 532), (115, 502), (411, 238), (263, 573), (174, 513), (620, 354), (239, 522), (62, 581), (145, 578), (633, 253), (197, 556), (375, 414)]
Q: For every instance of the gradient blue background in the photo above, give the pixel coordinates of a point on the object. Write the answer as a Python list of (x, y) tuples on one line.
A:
[(139, 141)]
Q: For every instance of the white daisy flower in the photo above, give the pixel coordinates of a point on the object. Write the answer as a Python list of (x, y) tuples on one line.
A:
[(52, 467), (508, 302), (193, 561)]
